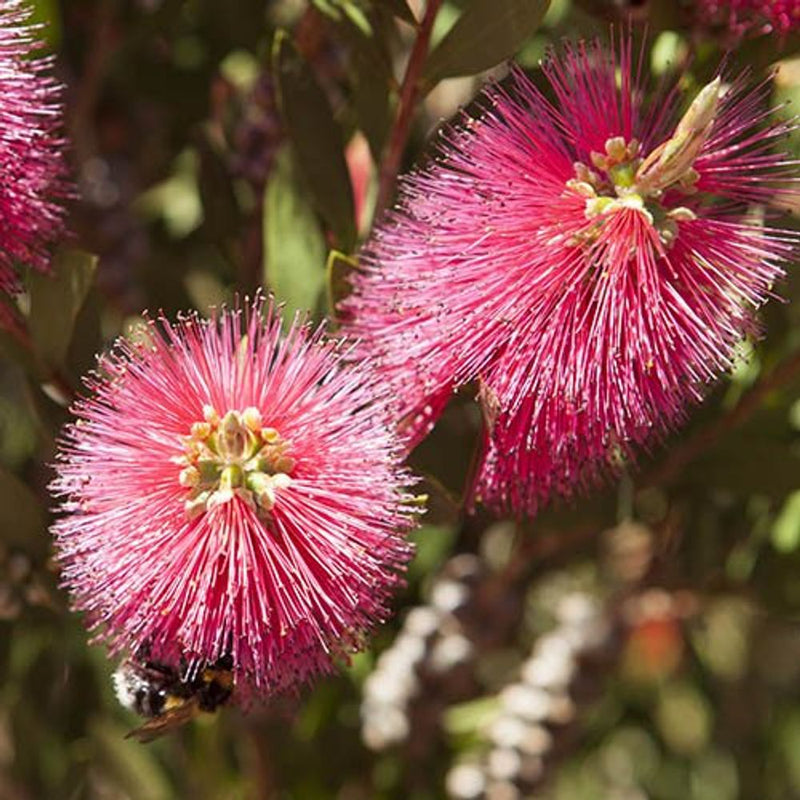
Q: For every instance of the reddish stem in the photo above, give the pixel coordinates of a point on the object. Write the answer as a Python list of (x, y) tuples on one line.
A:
[(702, 440), (409, 94)]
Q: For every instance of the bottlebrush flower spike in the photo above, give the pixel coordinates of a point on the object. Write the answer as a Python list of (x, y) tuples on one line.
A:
[(31, 150), (227, 491), (751, 16), (588, 260)]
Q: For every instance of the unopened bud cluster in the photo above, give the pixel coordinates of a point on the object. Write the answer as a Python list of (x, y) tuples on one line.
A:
[(430, 649), (534, 710), (748, 17), (233, 456), (623, 179)]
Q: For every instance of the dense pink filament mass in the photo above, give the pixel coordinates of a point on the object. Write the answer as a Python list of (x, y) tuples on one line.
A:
[(32, 158), (589, 261), (754, 16), (227, 490)]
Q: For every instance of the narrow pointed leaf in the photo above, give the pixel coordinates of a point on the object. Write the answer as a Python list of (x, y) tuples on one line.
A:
[(294, 247), (317, 139), (56, 301), (486, 33)]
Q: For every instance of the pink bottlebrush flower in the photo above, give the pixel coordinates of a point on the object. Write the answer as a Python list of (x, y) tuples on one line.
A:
[(31, 151), (751, 16), (588, 259), (227, 491)]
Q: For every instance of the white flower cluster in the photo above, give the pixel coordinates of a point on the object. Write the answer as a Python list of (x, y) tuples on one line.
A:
[(532, 710), (431, 644)]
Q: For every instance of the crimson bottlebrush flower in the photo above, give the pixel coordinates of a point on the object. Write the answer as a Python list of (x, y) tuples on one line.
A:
[(231, 492), (31, 150), (586, 258), (751, 16)]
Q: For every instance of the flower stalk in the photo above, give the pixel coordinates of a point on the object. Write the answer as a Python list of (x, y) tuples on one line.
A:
[(407, 104)]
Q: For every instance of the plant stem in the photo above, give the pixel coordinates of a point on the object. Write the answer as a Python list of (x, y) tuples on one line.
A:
[(409, 94), (707, 437)]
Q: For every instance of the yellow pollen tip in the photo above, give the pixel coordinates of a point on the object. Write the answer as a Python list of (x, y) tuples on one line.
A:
[(251, 417), (201, 430), (210, 415), (189, 477), (270, 435), (233, 457)]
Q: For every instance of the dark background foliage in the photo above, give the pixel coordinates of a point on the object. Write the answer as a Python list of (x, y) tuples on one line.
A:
[(219, 147)]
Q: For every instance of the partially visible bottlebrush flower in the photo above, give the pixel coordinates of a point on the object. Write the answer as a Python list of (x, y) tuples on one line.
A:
[(751, 16), (231, 492), (32, 159), (588, 260)]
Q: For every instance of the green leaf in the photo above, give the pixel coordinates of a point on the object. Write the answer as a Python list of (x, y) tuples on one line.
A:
[(294, 247), (357, 16), (786, 528), (329, 9), (22, 519), (372, 107), (12, 347), (56, 302), (370, 66), (371, 77), (317, 139), (372, 91), (433, 543), (470, 716), (47, 13), (487, 32), (87, 337)]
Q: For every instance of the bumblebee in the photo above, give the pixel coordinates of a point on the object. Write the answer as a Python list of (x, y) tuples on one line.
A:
[(168, 697)]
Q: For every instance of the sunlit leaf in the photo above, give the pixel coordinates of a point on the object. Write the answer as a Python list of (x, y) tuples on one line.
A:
[(176, 200), (433, 543), (294, 247), (468, 717), (487, 32), (357, 16), (786, 528)]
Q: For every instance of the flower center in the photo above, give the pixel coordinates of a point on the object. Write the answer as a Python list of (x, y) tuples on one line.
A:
[(620, 178), (233, 456)]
